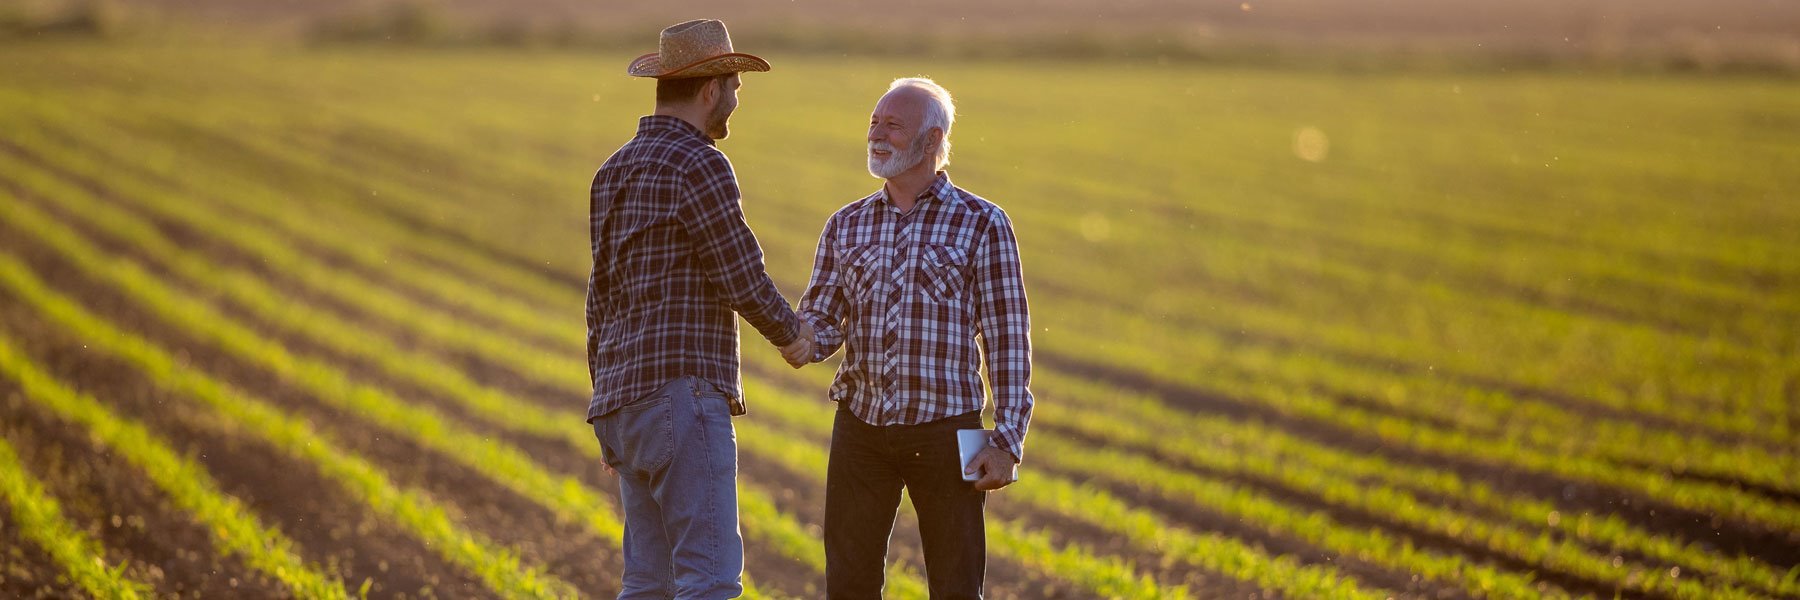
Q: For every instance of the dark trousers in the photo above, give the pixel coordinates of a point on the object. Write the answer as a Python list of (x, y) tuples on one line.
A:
[(869, 466)]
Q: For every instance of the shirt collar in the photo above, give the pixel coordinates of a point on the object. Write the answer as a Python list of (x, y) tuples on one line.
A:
[(940, 189), (671, 125)]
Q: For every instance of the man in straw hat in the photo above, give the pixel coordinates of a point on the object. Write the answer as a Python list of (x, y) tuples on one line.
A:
[(919, 283), (673, 260)]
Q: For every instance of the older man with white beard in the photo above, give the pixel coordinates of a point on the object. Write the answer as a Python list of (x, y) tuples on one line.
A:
[(912, 281)]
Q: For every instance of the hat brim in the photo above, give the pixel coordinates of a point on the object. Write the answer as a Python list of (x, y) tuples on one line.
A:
[(650, 65)]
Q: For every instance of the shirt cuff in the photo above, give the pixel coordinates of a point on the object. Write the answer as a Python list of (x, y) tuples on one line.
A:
[(1016, 449)]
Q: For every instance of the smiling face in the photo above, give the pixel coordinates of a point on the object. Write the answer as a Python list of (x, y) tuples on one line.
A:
[(896, 145)]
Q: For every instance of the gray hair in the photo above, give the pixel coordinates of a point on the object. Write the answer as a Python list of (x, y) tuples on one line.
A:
[(940, 112)]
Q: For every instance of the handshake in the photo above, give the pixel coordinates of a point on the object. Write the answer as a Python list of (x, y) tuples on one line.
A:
[(800, 351)]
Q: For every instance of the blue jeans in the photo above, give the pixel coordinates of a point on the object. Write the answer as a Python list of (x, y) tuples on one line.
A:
[(676, 454)]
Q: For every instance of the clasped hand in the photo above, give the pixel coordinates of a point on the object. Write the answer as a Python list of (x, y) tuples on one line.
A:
[(800, 351)]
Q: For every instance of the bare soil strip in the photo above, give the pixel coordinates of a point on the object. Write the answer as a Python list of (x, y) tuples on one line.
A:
[(26, 569), (1350, 518), (563, 548), (1775, 547), (229, 256), (521, 524), (329, 527), (120, 507), (1583, 407), (1105, 543)]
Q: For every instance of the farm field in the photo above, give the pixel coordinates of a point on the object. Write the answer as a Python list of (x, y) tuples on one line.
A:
[(278, 321)]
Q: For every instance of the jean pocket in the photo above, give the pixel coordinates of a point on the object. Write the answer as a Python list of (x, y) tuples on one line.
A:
[(644, 434), (711, 399)]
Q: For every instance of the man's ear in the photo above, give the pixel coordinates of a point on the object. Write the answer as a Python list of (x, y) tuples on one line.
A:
[(712, 91)]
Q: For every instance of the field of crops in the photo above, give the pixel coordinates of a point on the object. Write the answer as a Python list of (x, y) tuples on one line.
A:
[(278, 321)]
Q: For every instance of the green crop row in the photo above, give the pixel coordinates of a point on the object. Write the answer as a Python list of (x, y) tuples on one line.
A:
[(378, 352), (1413, 336), (40, 519), (565, 496), (1769, 470), (1564, 556), (1407, 242), (1211, 304), (1316, 527), (485, 161), (280, 311), (1428, 398), (503, 159), (802, 543), (1711, 457), (374, 250), (1064, 499), (568, 498), (403, 135), (1310, 405), (1314, 469), (236, 530), (1128, 420), (1104, 576), (411, 509), (417, 369), (1672, 371), (1229, 445), (1559, 556), (271, 248)]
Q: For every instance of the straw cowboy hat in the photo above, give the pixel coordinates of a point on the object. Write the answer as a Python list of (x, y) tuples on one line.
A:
[(694, 49)]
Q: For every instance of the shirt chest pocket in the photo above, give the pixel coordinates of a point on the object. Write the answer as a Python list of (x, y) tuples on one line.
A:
[(865, 266), (943, 273)]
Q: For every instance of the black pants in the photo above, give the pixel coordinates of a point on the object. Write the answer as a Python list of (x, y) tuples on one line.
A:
[(869, 465)]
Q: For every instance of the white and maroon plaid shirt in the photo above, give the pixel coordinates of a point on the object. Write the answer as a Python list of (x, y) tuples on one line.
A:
[(673, 258), (909, 295)]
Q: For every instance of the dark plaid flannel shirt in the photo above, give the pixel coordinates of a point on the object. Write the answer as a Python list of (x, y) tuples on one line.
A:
[(909, 296), (673, 258)]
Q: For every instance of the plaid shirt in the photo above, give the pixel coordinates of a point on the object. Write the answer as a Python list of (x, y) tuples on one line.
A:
[(673, 258), (909, 295)]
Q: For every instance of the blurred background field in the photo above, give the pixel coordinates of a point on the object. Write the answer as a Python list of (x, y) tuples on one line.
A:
[(1410, 299), (1758, 35)]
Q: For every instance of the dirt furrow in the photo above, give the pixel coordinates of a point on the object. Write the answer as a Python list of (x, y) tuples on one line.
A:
[(330, 527), (114, 502)]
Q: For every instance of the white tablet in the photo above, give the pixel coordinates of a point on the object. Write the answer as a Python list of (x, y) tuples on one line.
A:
[(969, 442)]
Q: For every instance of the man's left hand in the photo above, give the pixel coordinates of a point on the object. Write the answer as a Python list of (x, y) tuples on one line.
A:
[(995, 467)]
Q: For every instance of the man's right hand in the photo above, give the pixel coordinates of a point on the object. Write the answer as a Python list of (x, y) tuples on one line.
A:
[(799, 352)]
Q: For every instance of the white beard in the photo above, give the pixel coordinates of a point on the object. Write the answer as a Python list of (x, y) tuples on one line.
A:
[(896, 162)]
